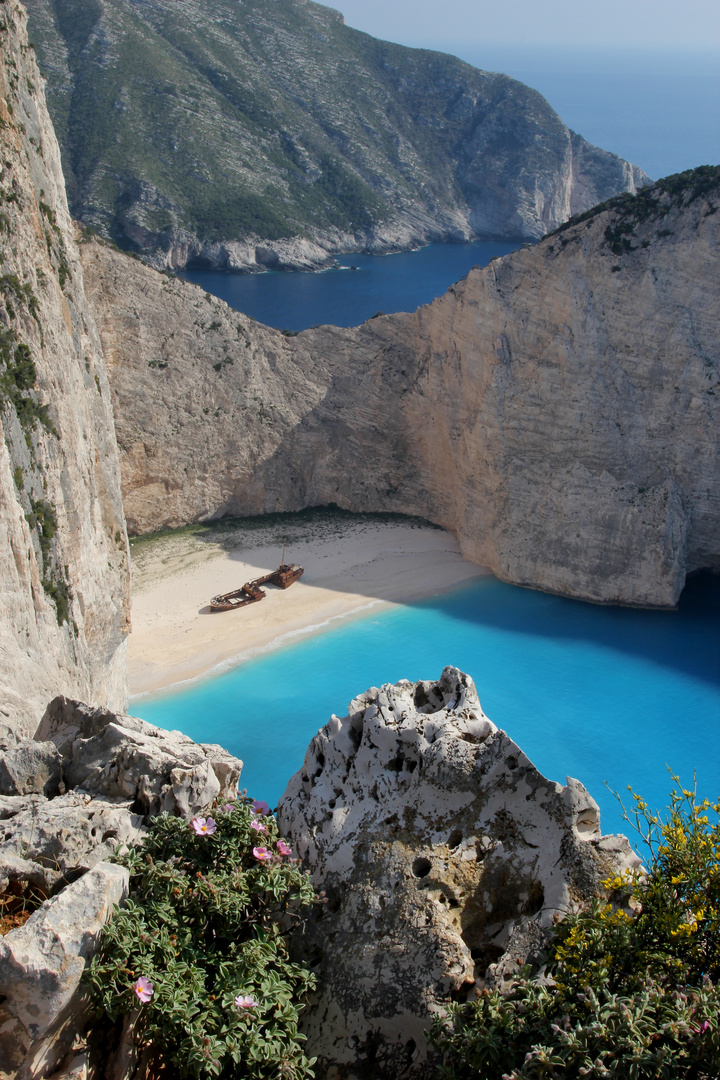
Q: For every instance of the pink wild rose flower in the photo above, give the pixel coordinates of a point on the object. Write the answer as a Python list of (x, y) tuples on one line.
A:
[(262, 854), (143, 988), (283, 848), (246, 1001), (203, 826), (258, 826), (260, 807)]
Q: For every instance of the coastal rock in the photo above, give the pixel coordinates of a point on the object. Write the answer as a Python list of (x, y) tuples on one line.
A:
[(49, 842), (446, 858), (558, 410), (123, 757), (30, 768), (64, 573), (118, 771), (41, 964)]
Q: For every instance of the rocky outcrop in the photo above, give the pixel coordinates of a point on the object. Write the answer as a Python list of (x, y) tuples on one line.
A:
[(446, 858), (253, 135), (558, 409), (64, 574), (41, 965), (98, 778)]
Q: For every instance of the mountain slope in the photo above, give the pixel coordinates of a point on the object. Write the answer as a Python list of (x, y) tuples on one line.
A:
[(558, 410), (186, 124)]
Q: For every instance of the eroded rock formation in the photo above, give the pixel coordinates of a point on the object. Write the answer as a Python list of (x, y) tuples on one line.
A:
[(558, 410), (446, 857), (64, 575), (84, 787)]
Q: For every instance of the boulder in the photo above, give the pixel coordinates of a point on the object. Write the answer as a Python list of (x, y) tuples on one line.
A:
[(123, 757), (30, 768), (41, 964), (49, 842), (446, 858)]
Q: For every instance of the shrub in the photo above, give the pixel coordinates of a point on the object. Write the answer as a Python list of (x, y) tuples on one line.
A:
[(198, 952), (632, 989)]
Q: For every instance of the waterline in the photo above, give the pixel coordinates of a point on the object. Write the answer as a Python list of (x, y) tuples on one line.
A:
[(601, 694)]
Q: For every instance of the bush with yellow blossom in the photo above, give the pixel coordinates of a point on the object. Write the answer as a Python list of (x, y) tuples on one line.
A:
[(632, 984)]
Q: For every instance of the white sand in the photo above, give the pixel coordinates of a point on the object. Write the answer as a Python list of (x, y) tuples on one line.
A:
[(351, 564)]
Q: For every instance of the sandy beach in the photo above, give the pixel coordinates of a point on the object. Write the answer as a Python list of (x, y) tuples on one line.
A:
[(352, 563)]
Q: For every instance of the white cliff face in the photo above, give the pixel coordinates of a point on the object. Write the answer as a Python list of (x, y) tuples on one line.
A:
[(87, 785), (558, 410), (446, 857), (64, 576)]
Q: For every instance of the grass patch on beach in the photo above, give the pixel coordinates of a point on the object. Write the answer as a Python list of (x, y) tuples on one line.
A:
[(190, 544)]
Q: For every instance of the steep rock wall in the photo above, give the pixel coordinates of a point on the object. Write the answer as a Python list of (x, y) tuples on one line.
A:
[(559, 409), (234, 132), (64, 576)]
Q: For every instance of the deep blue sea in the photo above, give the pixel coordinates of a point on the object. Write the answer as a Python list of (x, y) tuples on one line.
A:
[(599, 693), (365, 285)]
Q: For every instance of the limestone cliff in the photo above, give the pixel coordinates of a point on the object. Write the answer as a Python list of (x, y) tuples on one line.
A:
[(446, 858), (559, 409), (63, 548), (254, 134)]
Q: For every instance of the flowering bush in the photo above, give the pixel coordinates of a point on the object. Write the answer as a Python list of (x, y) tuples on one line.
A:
[(633, 982), (198, 952)]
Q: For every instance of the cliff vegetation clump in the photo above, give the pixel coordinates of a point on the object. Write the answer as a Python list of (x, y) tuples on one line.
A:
[(631, 986), (198, 953)]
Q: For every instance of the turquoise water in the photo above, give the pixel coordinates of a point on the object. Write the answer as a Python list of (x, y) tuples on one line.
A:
[(601, 694), (347, 297)]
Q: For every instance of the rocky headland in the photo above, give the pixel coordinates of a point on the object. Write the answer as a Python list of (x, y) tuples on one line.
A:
[(558, 410), (260, 135)]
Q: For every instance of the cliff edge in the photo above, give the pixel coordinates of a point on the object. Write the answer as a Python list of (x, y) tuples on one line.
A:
[(64, 574), (558, 409)]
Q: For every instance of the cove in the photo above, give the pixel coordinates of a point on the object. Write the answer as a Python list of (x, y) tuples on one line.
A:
[(599, 693), (359, 289)]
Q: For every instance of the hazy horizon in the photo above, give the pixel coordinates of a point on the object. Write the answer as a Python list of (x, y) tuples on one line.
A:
[(643, 24)]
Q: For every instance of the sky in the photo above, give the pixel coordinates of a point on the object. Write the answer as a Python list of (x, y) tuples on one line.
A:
[(646, 24)]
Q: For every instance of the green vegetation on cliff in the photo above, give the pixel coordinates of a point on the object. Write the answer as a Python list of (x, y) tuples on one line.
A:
[(223, 121), (631, 989), (651, 203), (198, 954)]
